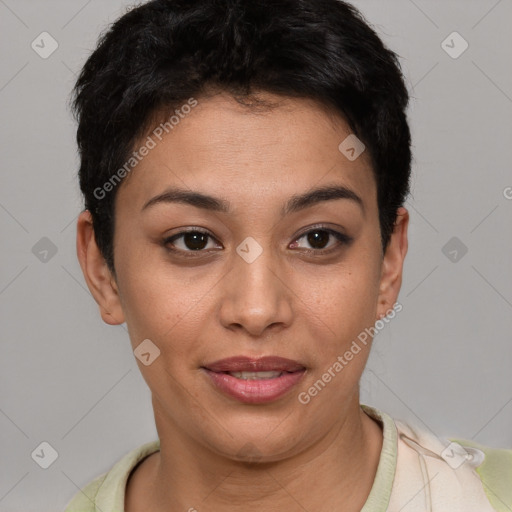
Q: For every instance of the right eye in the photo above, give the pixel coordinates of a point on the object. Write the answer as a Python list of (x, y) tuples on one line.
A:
[(190, 241)]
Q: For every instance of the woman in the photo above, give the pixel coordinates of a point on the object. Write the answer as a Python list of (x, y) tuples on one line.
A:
[(244, 167)]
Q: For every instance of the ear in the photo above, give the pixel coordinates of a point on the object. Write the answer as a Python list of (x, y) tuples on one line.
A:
[(100, 281), (392, 264)]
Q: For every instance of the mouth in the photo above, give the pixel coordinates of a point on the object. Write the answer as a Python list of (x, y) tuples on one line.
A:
[(255, 375), (254, 381)]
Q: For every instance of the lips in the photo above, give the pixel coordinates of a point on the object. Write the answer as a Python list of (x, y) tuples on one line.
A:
[(247, 364), (252, 380)]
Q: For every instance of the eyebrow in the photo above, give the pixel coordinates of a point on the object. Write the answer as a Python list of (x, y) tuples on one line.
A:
[(294, 204)]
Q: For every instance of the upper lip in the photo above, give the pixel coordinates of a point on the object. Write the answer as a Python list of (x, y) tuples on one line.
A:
[(250, 364)]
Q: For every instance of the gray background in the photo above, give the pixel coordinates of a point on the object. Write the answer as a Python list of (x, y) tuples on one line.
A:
[(444, 361)]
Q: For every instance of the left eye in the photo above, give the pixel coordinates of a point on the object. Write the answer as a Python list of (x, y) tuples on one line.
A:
[(319, 238)]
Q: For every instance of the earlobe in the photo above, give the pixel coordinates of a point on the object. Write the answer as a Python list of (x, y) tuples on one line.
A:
[(98, 276), (392, 264)]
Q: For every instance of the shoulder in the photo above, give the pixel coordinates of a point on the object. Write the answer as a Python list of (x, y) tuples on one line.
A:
[(436, 473), (464, 474), (85, 499), (107, 491), (495, 473)]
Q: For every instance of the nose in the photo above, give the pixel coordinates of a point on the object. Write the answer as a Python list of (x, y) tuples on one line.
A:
[(256, 297)]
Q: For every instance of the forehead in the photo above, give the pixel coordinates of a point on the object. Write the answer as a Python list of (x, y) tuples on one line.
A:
[(222, 148)]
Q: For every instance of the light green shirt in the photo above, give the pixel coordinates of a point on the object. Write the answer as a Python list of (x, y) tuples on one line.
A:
[(417, 472)]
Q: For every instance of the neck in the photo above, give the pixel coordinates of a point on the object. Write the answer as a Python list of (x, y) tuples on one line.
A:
[(335, 473)]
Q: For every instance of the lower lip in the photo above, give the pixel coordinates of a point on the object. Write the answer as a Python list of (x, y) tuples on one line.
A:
[(255, 391)]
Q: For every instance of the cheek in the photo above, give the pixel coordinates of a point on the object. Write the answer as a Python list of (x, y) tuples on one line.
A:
[(338, 314), (161, 302), (337, 304)]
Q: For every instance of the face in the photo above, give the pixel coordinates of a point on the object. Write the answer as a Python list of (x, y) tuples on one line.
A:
[(263, 268)]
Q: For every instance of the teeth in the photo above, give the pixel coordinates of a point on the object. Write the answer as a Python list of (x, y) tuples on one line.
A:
[(255, 375)]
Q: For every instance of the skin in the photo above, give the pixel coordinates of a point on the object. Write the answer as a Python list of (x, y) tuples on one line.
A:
[(289, 302)]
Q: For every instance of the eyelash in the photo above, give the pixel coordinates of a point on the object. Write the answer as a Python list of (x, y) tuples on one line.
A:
[(343, 240)]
